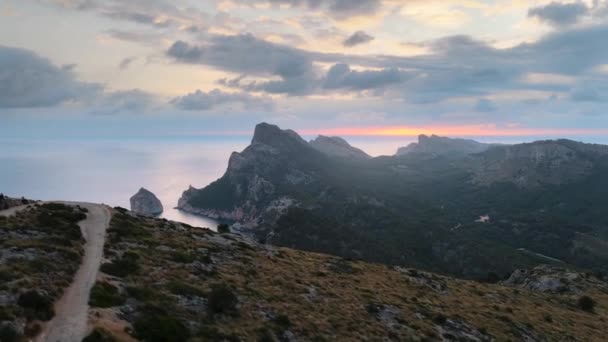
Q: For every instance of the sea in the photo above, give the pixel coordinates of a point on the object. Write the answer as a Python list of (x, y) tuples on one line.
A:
[(111, 171)]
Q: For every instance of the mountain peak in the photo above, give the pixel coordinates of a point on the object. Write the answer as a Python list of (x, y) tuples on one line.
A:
[(272, 135), (438, 145), (336, 146)]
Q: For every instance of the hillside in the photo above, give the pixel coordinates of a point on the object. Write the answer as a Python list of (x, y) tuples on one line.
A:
[(168, 281), (41, 249), (540, 201)]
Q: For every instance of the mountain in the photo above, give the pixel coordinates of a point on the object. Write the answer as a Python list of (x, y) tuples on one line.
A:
[(539, 163), (337, 147), (443, 146), (469, 215)]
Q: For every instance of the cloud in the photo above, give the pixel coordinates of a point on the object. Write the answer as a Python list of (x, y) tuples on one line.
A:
[(485, 106), (126, 62), (341, 76), (159, 14), (357, 38), (116, 102), (28, 80), (338, 9), (245, 54), (455, 66), (293, 67), (203, 101), (560, 14)]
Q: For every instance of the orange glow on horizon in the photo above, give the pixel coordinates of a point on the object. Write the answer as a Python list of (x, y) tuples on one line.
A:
[(453, 131), (414, 131)]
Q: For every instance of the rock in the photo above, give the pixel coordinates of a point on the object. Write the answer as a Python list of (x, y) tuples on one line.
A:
[(553, 279), (145, 202)]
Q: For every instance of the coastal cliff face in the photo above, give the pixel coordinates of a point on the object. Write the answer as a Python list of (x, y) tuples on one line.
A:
[(258, 180), (422, 207)]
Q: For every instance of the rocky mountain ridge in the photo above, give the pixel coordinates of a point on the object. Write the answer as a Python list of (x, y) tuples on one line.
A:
[(287, 192), (443, 146), (338, 147)]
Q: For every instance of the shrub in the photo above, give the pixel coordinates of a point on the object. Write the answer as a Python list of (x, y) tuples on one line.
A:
[(440, 319), (9, 332), (586, 303), (222, 299), (123, 267), (183, 289), (37, 304), (282, 321), (156, 325), (105, 295), (223, 228), (183, 257)]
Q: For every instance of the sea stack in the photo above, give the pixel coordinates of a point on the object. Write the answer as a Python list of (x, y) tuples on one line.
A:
[(145, 202)]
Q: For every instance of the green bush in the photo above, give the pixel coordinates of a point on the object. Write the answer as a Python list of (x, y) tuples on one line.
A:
[(156, 325), (38, 305), (105, 295), (183, 257), (9, 332), (221, 299), (122, 267), (223, 228), (586, 303), (183, 289)]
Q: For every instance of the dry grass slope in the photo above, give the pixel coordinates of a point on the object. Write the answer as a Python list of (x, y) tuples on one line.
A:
[(174, 282)]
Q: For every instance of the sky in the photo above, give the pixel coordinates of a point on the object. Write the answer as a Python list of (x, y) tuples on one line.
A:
[(493, 70)]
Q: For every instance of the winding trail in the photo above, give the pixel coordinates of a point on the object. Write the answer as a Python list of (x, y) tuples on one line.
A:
[(71, 311)]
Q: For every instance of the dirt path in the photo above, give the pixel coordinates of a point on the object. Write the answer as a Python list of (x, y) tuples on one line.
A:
[(12, 211), (71, 311)]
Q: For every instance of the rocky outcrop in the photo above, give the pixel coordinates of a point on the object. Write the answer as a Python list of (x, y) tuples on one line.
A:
[(553, 279), (337, 147), (145, 202), (550, 162), (442, 146)]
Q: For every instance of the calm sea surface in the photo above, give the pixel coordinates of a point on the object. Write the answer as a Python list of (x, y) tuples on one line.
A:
[(111, 171), (106, 171)]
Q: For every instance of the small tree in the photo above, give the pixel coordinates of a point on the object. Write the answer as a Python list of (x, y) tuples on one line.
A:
[(222, 299), (586, 303), (223, 228)]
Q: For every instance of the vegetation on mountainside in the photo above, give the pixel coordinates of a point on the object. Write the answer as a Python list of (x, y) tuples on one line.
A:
[(421, 209), (232, 289), (40, 251)]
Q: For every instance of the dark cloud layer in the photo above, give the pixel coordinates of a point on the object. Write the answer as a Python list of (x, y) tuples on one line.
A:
[(560, 14), (336, 8), (248, 55), (455, 66), (27, 80), (357, 38)]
